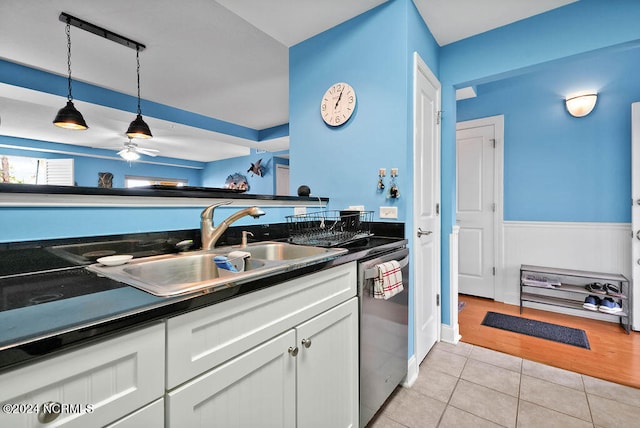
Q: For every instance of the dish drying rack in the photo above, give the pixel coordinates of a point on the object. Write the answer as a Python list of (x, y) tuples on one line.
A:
[(329, 228)]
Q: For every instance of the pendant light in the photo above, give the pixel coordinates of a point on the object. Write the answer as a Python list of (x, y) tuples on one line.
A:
[(68, 117), (138, 128)]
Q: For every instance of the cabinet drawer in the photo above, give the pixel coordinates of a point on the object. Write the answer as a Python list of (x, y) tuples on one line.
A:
[(202, 339), (94, 385)]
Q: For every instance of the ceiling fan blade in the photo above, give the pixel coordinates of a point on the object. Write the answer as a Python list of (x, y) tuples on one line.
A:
[(147, 152)]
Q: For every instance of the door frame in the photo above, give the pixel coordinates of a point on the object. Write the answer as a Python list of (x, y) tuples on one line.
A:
[(419, 66), (498, 193)]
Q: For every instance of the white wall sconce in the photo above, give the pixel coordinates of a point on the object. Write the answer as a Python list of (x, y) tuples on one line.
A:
[(582, 104)]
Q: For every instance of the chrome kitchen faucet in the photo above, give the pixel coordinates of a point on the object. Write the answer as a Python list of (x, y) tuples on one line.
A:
[(210, 233)]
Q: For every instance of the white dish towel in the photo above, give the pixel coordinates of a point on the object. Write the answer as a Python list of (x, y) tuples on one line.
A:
[(388, 283)]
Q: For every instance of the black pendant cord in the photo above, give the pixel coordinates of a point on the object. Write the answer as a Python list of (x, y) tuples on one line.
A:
[(68, 31), (138, 73)]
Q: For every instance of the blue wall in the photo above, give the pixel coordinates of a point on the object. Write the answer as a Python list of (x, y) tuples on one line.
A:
[(577, 28), (374, 54), (557, 167), (88, 162), (215, 173)]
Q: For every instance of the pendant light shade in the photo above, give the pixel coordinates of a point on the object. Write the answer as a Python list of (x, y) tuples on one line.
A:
[(138, 128), (69, 117)]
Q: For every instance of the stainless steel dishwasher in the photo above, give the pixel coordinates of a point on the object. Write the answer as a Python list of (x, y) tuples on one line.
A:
[(383, 332)]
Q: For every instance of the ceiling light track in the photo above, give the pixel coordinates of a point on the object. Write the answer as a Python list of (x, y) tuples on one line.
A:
[(99, 31)]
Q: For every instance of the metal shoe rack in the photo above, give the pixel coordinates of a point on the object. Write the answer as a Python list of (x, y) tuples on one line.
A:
[(571, 292), (329, 228)]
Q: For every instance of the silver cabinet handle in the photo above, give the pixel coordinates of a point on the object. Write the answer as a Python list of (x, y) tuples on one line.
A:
[(49, 412), (428, 232), (293, 351), (306, 343), (638, 234)]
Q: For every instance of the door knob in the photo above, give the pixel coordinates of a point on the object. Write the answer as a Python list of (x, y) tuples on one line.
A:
[(428, 232), (306, 343), (293, 351)]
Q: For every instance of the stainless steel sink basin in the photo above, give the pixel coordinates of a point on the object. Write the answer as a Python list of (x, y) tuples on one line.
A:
[(284, 251), (176, 274)]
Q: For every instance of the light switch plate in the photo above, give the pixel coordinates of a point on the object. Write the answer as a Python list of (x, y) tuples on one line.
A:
[(356, 208), (388, 212), (299, 210)]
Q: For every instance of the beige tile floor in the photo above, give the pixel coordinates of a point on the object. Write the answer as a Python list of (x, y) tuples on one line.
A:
[(468, 386)]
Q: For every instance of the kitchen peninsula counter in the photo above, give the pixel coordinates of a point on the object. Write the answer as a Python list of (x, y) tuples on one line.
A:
[(41, 195)]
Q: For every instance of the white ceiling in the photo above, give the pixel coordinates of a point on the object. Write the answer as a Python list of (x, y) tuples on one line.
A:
[(225, 59)]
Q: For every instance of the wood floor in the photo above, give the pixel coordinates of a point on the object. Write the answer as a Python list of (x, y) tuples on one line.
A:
[(614, 355)]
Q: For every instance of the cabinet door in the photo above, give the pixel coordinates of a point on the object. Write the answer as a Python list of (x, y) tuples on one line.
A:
[(328, 368), (255, 389), (90, 386)]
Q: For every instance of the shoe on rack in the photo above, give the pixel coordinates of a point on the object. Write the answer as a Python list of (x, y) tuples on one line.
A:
[(612, 290), (591, 303), (596, 288), (609, 306)]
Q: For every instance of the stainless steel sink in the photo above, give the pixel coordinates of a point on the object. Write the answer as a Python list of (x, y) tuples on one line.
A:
[(176, 274), (284, 251)]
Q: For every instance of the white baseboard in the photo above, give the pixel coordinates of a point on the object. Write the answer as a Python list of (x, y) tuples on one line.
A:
[(450, 334), (412, 373)]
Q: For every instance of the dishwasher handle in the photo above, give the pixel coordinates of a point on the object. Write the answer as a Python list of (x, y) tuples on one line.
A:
[(373, 272)]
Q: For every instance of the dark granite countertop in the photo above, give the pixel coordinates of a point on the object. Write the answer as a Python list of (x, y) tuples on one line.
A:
[(50, 302)]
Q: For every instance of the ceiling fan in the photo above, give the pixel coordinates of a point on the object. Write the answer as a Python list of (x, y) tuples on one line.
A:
[(131, 151)]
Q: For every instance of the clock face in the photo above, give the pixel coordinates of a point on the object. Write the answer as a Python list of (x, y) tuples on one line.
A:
[(338, 104)]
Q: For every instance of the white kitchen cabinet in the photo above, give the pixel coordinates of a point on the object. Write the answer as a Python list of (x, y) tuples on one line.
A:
[(305, 377), (200, 340), (92, 386), (285, 356)]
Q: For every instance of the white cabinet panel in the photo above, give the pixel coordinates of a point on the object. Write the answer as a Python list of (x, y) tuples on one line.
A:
[(94, 385), (151, 416), (256, 389), (328, 369), (200, 340)]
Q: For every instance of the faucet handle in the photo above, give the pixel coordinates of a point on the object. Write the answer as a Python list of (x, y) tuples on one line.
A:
[(207, 213)]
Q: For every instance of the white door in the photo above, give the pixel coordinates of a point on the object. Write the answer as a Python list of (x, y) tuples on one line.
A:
[(328, 369), (282, 180), (476, 206), (635, 213), (426, 168)]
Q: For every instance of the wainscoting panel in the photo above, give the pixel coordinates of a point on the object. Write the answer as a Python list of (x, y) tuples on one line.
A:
[(599, 247)]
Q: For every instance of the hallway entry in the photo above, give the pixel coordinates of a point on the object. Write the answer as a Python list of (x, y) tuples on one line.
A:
[(478, 203)]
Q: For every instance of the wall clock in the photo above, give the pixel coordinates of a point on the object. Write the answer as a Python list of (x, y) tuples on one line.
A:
[(337, 104)]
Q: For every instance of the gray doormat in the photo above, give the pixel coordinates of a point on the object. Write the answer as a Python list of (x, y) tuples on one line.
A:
[(543, 330)]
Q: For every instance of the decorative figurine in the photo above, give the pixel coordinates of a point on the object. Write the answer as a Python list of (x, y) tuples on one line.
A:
[(257, 169), (105, 180)]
